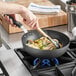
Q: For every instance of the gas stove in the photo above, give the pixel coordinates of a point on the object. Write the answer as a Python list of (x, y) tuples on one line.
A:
[(61, 66), (3, 71)]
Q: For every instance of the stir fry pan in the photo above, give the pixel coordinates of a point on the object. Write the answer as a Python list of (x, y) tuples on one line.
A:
[(34, 34)]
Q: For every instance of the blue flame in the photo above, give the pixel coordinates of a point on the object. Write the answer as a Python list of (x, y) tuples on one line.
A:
[(56, 61), (46, 62)]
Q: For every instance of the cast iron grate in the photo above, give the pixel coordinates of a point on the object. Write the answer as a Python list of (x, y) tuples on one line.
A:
[(66, 64)]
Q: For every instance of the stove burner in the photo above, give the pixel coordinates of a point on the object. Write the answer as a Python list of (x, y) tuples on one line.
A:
[(56, 61), (36, 61), (45, 62), (61, 66)]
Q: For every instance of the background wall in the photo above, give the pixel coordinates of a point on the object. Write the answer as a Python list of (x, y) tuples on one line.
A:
[(60, 2)]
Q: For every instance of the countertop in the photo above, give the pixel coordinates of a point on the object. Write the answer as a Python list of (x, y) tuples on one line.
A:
[(12, 63)]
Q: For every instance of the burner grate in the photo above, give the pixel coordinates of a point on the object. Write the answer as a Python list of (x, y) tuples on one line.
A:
[(72, 48), (3, 71), (61, 66), (28, 60)]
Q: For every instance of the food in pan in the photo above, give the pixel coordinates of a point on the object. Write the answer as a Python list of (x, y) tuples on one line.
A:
[(42, 43)]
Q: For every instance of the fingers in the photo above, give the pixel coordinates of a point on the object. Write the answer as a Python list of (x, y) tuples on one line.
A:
[(29, 19), (6, 18), (9, 19), (33, 23)]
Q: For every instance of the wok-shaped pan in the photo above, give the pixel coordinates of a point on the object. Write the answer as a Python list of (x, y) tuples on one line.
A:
[(33, 35)]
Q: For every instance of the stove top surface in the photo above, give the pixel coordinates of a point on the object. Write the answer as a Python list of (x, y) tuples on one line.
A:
[(62, 66), (3, 71)]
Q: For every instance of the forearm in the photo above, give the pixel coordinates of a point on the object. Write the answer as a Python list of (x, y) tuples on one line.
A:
[(10, 8)]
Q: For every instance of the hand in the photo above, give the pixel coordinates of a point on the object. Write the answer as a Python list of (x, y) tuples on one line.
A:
[(9, 19), (30, 19)]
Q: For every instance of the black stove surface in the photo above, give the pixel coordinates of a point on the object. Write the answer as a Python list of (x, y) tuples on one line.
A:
[(62, 66), (3, 71)]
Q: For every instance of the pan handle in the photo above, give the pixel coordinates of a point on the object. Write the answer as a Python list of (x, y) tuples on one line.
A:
[(17, 23)]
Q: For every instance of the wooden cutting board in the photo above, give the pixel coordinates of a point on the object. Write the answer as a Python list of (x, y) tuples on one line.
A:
[(44, 20)]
